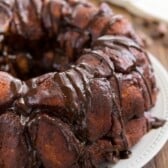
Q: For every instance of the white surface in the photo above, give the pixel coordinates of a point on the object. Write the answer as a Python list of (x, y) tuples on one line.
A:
[(146, 8), (152, 142)]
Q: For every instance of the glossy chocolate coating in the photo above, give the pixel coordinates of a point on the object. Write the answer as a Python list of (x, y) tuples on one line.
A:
[(70, 96)]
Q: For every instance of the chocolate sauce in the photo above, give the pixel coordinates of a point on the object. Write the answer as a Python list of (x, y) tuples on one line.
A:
[(148, 90), (77, 83), (87, 104), (72, 91), (123, 135), (96, 54), (69, 93)]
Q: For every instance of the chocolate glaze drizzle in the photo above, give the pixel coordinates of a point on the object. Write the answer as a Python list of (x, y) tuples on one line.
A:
[(65, 103)]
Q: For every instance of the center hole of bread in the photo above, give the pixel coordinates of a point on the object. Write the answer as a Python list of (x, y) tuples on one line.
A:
[(26, 59)]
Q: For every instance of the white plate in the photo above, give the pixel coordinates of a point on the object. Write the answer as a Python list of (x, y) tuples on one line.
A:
[(152, 142)]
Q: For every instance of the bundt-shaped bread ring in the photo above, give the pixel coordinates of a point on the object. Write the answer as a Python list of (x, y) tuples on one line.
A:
[(87, 84)]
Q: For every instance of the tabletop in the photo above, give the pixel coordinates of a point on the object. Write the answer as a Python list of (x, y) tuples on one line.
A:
[(155, 36)]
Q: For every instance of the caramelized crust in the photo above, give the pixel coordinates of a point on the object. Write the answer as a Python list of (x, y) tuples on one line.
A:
[(10, 89), (13, 149), (55, 143)]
